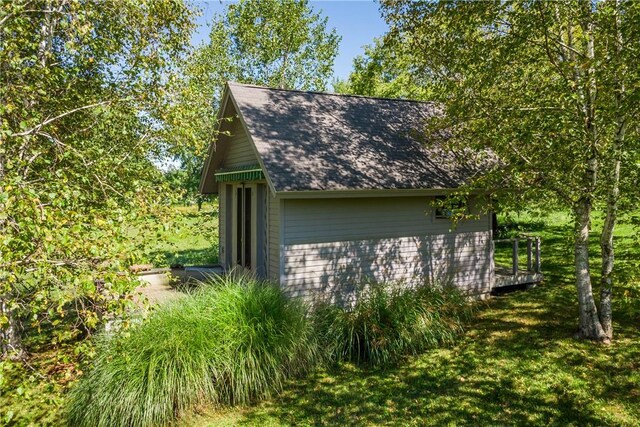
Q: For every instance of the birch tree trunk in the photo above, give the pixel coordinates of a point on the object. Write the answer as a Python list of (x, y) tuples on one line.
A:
[(590, 327), (10, 325), (10, 342), (606, 239), (606, 246)]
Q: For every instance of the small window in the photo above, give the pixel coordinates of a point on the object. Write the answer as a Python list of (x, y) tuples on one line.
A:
[(447, 208)]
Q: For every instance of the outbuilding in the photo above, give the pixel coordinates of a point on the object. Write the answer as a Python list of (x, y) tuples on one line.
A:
[(321, 192)]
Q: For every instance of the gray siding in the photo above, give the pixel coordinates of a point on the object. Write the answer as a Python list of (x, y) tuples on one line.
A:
[(239, 151), (330, 245), (261, 263), (273, 238)]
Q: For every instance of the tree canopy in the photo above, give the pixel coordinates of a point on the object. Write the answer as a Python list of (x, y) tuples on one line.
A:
[(384, 70), (276, 43), (78, 82), (552, 89)]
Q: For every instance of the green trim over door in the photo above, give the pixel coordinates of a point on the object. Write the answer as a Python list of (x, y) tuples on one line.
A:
[(240, 174)]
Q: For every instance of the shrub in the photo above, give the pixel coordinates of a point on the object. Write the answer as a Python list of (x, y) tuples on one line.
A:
[(232, 342), (388, 321)]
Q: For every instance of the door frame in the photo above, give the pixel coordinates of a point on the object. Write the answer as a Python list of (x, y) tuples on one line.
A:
[(258, 231)]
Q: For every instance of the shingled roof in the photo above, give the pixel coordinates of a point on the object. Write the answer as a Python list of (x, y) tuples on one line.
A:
[(309, 141)]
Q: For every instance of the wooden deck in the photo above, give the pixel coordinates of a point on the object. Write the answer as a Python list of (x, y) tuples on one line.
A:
[(512, 275), (505, 277)]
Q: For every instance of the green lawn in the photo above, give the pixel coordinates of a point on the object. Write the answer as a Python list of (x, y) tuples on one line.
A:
[(189, 237), (516, 365)]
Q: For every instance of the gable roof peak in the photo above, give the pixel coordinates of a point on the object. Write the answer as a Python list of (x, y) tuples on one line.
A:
[(313, 92), (316, 141)]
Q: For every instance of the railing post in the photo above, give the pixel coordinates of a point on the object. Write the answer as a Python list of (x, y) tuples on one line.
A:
[(529, 254), (493, 249), (538, 267), (514, 257)]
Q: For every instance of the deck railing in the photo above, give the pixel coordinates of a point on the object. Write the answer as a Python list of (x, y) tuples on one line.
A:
[(533, 253)]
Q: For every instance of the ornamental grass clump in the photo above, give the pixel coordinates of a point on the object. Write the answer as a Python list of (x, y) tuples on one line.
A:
[(388, 321), (234, 341)]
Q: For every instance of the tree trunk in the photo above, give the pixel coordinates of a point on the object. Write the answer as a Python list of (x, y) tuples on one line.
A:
[(606, 246), (10, 341), (590, 327), (606, 240), (47, 30)]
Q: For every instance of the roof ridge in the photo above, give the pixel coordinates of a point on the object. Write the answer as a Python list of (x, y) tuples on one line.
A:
[(343, 95)]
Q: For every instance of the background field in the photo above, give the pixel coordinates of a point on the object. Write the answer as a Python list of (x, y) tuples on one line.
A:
[(189, 237)]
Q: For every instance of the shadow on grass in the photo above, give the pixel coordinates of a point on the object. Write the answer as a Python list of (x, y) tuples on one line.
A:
[(516, 365)]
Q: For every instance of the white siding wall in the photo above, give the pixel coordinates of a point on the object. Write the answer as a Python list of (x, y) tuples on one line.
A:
[(330, 245), (239, 151)]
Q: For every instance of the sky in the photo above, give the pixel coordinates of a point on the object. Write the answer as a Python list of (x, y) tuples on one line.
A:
[(357, 21)]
